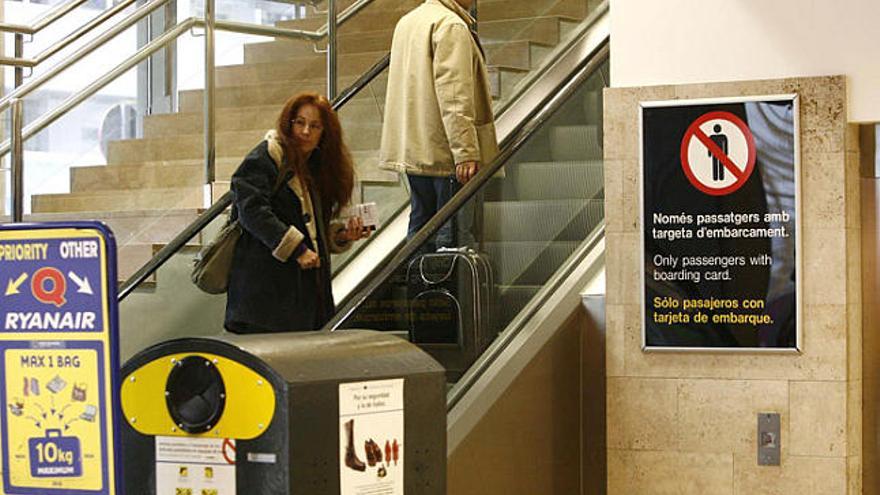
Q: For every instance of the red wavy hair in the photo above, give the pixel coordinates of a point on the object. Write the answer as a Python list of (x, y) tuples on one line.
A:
[(334, 177)]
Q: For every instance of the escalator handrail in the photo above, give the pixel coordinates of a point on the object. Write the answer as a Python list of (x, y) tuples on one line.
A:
[(208, 216), (516, 140)]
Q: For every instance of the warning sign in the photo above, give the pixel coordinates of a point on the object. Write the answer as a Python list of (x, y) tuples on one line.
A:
[(718, 153), (58, 358), (720, 224)]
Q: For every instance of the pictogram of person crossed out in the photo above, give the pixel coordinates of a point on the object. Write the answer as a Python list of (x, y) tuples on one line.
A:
[(721, 140)]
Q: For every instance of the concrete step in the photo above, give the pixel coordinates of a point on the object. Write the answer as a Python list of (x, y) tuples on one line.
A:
[(347, 43), (543, 220), (138, 199), (488, 10), (130, 259), (356, 111), (133, 177), (575, 142), (377, 15), (225, 120), (189, 173), (503, 53), (273, 93), (183, 146), (228, 144), (503, 81), (520, 55), (527, 181), (543, 30), (293, 69), (527, 262), (494, 10), (132, 226)]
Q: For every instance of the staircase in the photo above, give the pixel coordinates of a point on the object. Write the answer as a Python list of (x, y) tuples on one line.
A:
[(151, 187)]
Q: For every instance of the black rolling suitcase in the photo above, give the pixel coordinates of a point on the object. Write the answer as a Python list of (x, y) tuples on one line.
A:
[(451, 306)]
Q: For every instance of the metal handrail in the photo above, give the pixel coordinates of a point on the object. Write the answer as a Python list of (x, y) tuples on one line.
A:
[(524, 131), (231, 26), (210, 25), (47, 19), (68, 40), (17, 163), (46, 119), (32, 129), (143, 11), (87, 49), (180, 240)]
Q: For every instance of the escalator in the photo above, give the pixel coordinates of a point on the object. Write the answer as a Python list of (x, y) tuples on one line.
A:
[(525, 406), (538, 212)]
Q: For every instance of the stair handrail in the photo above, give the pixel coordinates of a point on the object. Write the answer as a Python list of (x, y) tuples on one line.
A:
[(140, 13), (68, 40), (207, 216), (143, 11), (82, 52), (518, 138), (142, 54), (43, 21)]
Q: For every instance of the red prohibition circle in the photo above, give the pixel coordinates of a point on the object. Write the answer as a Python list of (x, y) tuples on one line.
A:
[(690, 133)]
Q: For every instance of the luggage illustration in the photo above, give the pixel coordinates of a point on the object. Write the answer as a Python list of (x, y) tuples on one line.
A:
[(55, 456), (449, 295)]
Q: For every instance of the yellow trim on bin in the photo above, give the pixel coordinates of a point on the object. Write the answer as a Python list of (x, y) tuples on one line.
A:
[(249, 409)]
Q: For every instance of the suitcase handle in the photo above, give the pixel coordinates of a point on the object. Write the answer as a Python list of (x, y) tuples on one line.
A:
[(443, 278), (54, 433)]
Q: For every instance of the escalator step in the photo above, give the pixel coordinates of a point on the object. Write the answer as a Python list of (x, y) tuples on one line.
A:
[(544, 220), (527, 262), (548, 180), (575, 142)]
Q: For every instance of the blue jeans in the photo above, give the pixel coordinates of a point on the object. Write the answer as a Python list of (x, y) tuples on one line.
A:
[(427, 196)]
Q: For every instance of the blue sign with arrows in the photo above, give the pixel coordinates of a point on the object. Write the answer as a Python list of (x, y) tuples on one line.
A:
[(59, 360)]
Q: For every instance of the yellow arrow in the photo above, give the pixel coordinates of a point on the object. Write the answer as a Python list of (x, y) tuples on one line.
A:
[(12, 286)]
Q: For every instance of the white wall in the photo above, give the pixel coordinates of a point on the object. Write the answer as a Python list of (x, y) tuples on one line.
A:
[(685, 41)]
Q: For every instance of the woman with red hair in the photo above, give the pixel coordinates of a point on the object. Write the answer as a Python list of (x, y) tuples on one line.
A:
[(288, 193)]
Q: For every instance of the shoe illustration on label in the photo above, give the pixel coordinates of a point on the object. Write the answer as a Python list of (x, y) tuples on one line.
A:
[(371, 416), (55, 456)]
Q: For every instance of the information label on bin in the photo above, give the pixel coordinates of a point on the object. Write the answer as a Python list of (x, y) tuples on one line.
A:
[(195, 465), (371, 419), (59, 359)]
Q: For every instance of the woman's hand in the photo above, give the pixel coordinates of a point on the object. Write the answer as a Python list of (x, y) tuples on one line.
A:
[(308, 260), (354, 230)]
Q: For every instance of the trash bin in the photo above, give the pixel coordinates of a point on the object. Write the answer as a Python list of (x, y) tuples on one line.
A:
[(347, 412)]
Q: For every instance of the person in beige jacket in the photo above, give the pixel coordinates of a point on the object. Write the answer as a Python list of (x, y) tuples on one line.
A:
[(438, 127)]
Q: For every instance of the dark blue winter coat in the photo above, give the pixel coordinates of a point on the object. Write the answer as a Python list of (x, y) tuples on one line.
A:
[(268, 291)]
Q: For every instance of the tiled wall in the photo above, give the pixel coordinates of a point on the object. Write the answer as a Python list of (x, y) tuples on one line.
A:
[(686, 423)]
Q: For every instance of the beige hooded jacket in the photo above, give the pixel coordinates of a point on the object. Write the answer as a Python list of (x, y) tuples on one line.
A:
[(438, 108)]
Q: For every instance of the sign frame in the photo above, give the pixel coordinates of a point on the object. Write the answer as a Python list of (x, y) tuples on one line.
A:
[(798, 244), (111, 433)]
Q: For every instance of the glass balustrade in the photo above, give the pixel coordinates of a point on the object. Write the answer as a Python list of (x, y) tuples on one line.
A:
[(510, 238)]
